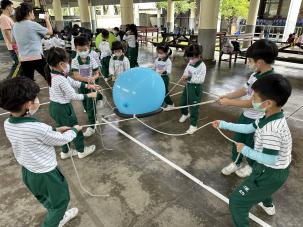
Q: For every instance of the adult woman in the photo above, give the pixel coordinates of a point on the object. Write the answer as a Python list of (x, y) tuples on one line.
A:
[(28, 36)]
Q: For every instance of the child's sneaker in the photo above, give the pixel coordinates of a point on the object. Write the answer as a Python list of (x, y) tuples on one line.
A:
[(269, 210), (87, 151), (184, 118), (69, 215), (169, 107), (106, 79), (100, 104), (70, 153), (231, 168), (191, 130), (89, 132), (244, 172)]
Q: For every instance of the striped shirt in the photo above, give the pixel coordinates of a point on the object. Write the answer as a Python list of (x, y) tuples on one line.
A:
[(195, 73), (93, 54), (63, 89), (86, 68), (272, 136), (131, 40), (33, 143), (118, 65), (104, 48), (163, 64), (251, 112)]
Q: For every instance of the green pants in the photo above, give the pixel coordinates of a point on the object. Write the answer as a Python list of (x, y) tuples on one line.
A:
[(258, 187), (51, 190), (89, 105), (247, 139), (167, 99), (132, 55), (64, 115), (105, 66), (192, 94)]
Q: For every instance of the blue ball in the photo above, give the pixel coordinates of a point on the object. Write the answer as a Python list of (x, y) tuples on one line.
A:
[(138, 91)]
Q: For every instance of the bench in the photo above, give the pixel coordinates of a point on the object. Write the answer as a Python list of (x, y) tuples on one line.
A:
[(144, 32)]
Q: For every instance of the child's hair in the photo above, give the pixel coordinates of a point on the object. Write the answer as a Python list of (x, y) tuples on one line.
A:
[(133, 29), (54, 57), (23, 11), (116, 29), (81, 41), (194, 50), (14, 93), (274, 87), (5, 3), (117, 45), (165, 48), (105, 34), (263, 49)]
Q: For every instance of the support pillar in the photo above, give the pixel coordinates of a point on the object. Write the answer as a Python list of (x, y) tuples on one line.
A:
[(59, 23), (252, 18), (192, 18), (170, 15), (93, 18), (84, 14), (159, 18), (37, 3), (127, 12), (209, 10)]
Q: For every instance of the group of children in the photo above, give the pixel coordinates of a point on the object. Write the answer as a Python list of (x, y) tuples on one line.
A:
[(262, 134)]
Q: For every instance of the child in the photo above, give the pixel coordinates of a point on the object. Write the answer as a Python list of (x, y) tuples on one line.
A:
[(163, 66), (61, 94), (33, 147), (118, 62), (261, 56), (194, 75), (93, 54), (85, 69), (131, 38), (106, 53), (271, 152)]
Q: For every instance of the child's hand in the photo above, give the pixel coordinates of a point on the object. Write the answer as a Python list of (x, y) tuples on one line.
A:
[(216, 124), (63, 129), (92, 95), (90, 80), (240, 147), (78, 127), (184, 78), (93, 86), (160, 71), (224, 101)]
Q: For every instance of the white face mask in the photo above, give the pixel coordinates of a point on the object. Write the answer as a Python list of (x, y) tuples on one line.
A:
[(83, 54), (66, 70), (119, 54), (34, 107), (161, 56)]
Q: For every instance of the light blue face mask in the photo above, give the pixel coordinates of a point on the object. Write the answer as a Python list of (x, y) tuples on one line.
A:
[(83, 54), (257, 106)]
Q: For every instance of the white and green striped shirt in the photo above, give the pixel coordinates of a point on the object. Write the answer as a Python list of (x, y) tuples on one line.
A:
[(118, 65), (273, 137), (163, 64), (33, 143), (195, 73), (85, 69)]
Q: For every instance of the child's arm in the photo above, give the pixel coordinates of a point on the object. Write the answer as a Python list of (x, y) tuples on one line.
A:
[(235, 94), (236, 102), (240, 128), (168, 67), (126, 64)]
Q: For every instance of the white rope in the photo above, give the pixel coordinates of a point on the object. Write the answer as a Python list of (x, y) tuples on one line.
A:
[(196, 104)]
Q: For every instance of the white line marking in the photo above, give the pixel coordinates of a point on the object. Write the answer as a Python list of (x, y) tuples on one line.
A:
[(185, 173)]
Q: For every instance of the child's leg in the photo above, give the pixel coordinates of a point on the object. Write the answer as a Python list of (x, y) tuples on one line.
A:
[(194, 97), (79, 140), (258, 187), (167, 99), (51, 190), (132, 52), (105, 65), (89, 107), (184, 101)]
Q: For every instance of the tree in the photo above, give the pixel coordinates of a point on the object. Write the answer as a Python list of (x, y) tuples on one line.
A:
[(180, 6)]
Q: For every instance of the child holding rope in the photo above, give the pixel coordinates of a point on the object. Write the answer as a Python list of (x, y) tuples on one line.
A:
[(118, 63), (194, 75)]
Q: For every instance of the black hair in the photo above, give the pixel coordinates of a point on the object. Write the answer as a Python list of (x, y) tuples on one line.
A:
[(265, 50), (194, 50), (14, 93), (116, 29), (54, 57), (105, 34), (165, 48), (274, 87), (23, 11), (5, 3), (81, 41), (133, 29), (117, 45)]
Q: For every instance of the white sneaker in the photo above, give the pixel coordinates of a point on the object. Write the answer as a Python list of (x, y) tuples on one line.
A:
[(69, 215), (106, 79), (169, 107), (269, 210), (87, 151), (231, 168), (184, 118), (100, 104), (71, 152), (244, 171), (191, 130), (89, 132)]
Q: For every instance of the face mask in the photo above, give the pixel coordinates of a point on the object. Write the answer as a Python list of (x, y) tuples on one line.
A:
[(115, 32), (83, 54), (118, 54), (66, 70), (161, 56), (257, 106), (193, 61), (252, 66), (34, 107)]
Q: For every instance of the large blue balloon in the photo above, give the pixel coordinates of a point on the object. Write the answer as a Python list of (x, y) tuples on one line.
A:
[(138, 91)]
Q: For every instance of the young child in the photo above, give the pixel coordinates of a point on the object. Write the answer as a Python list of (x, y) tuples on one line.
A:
[(106, 53), (194, 75), (163, 66), (61, 94), (261, 56), (86, 70), (271, 152), (118, 62), (93, 54), (131, 38), (33, 147)]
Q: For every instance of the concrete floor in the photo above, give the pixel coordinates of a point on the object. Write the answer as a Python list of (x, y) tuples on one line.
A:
[(145, 191)]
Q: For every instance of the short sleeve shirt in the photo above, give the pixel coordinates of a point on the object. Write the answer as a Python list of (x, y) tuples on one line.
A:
[(6, 23), (86, 68)]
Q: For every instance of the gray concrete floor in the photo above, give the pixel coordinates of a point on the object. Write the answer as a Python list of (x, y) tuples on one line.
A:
[(145, 191)]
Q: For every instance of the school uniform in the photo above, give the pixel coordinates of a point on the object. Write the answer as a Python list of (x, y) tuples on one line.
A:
[(106, 53), (93, 54), (87, 69), (272, 155), (248, 116), (132, 49), (192, 92), (118, 65), (165, 65), (33, 147)]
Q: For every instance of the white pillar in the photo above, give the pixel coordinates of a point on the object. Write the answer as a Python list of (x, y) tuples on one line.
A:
[(170, 15), (159, 18), (136, 14), (127, 11), (57, 8), (219, 22), (292, 18), (192, 18), (93, 18), (84, 14)]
